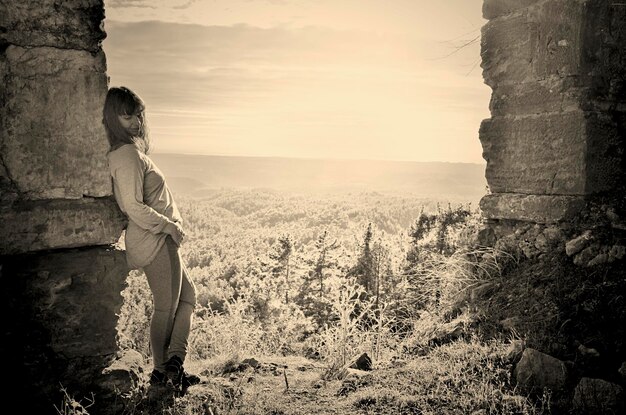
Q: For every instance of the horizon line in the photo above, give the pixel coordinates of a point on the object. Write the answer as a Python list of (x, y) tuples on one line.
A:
[(315, 158)]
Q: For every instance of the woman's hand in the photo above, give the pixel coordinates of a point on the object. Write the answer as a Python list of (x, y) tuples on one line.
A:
[(175, 231)]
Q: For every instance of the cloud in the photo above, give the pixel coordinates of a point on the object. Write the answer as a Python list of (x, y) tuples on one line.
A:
[(224, 66), (121, 4), (279, 2), (246, 83), (185, 5), (241, 62), (250, 53), (245, 44), (148, 4)]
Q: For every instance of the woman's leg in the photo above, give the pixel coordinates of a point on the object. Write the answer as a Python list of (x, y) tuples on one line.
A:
[(165, 280), (184, 314)]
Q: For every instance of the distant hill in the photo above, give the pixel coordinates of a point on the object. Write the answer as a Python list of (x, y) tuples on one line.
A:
[(196, 175)]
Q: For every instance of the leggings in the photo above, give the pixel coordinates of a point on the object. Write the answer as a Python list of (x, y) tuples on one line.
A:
[(174, 299)]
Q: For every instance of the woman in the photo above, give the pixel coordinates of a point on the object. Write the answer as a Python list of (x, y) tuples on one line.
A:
[(153, 235)]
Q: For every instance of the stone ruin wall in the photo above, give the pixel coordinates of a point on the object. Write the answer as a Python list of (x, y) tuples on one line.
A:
[(554, 147), (61, 273), (555, 142)]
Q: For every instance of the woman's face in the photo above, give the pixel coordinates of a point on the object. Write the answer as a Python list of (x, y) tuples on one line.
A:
[(132, 122)]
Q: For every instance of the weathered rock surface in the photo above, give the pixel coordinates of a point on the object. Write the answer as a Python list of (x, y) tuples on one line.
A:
[(570, 153), (123, 374), (536, 371), (60, 319), (52, 141), (59, 307), (65, 24), (587, 251), (531, 208), (598, 397), (560, 38), (363, 362), (495, 8), (579, 243), (552, 94), (556, 68), (58, 223)]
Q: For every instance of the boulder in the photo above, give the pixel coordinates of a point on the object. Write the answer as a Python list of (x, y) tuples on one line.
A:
[(537, 371), (598, 397), (362, 362), (574, 246), (123, 374)]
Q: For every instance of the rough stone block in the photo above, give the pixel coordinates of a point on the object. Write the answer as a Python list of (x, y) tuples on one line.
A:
[(535, 155), (52, 140), (559, 44), (534, 43), (67, 24), (60, 316), (541, 56), (495, 8), (507, 48), (570, 153), (538, 42), (52, 224), (531, 208), (553, 94), (556, 94)]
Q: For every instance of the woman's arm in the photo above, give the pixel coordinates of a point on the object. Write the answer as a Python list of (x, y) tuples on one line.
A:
[(128, 174)]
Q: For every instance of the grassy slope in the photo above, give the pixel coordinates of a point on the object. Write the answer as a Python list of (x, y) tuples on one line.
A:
[(551, 304), (463, 377)]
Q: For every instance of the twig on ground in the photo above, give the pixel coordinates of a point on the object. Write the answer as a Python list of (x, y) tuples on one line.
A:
[(286, 381)]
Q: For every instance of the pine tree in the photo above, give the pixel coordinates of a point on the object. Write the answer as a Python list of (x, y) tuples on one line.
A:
[(381, 268), (323, 260), (363, 270), (281, 257), (313, 294)]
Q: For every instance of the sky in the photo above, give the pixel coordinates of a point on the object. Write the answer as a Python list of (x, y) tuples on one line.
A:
[(339, 79)]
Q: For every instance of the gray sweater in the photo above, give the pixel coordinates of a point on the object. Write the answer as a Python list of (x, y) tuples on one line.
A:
[(142, 194)]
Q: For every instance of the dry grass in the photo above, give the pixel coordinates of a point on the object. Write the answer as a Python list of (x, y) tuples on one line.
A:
[(444, 282), (462, 377)]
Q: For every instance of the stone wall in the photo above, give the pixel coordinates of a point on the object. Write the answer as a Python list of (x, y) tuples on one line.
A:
[(52, 142), (61, 273), (555, 147), (555, 142)]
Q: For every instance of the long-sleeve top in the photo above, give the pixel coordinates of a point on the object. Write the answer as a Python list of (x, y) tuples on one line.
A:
[(142, 194)]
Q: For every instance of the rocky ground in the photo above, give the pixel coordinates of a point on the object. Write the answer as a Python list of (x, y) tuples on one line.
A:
[(278, 385), (460, 377)]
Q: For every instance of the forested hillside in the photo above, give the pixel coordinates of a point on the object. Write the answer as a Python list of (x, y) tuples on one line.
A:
[(237, 241)]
